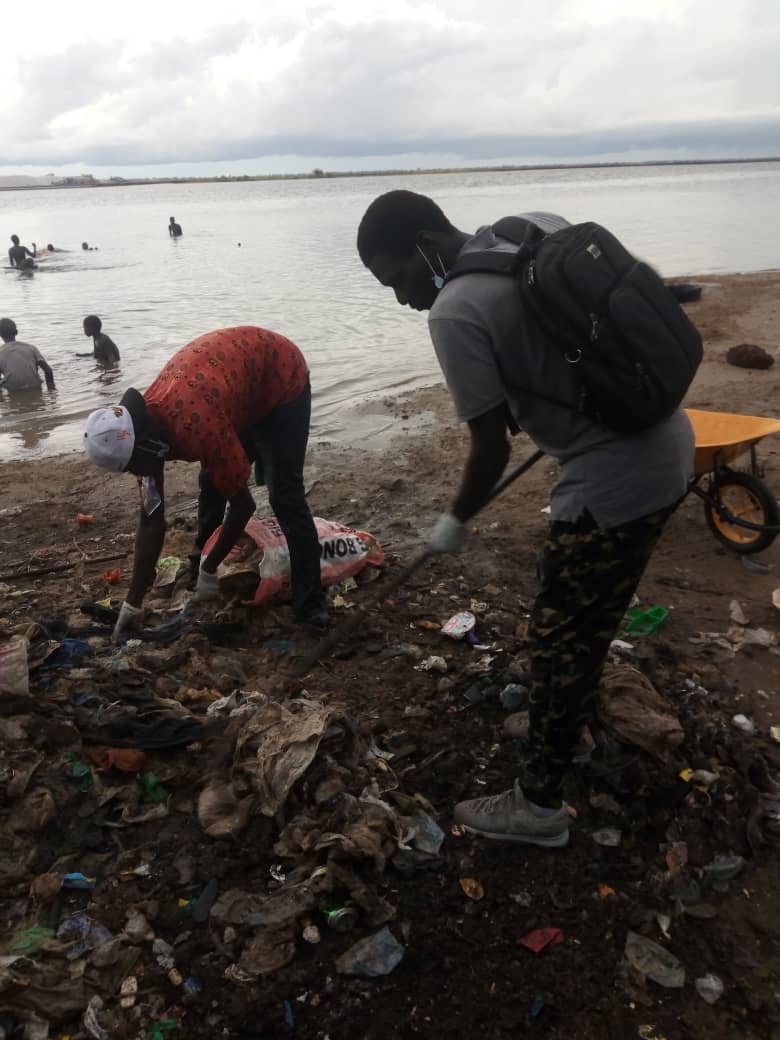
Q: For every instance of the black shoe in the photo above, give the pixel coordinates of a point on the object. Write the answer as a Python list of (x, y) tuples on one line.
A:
[(316, 620)]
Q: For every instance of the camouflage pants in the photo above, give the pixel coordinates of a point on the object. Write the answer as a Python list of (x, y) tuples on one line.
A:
[(588, 578)]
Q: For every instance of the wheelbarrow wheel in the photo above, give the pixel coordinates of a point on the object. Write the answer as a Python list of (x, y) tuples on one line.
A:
[(747, 498)]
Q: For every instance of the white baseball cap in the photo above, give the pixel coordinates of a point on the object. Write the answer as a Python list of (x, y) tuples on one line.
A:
[(109, 437), (111, 433)]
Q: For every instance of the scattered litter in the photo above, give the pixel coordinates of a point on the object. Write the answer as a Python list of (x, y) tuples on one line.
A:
[(737, 614), (634, 712), (376, 955), (744, 725), (723, 869), (710, 988), (472, 888), (776, 599), (756, 566), (537, 1006), (79, 881), (774, 733), (540, 938), (432, 664), (459, 625), (652, 960), (607, 836), (606, 891), (85, 519), (645, 621), (513, 696), (664, 923), (676, 856)]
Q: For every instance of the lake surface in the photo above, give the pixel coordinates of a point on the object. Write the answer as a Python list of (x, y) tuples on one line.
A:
[(296, 271)]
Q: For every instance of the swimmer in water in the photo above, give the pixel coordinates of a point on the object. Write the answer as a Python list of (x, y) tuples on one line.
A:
[(105, 351)]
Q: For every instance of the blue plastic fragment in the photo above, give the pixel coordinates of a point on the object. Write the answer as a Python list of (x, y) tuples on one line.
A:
[(289, 1017), (537, 1004), (77, 880)]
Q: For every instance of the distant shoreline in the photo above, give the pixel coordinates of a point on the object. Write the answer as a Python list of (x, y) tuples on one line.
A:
[(318, 174)]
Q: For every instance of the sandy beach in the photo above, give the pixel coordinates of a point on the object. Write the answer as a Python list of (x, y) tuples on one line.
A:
[(484, 982)]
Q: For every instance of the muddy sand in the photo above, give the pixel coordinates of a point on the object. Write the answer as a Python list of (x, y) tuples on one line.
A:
[(464, 971)]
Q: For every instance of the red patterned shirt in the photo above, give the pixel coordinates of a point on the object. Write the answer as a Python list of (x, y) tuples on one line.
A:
[(215, 388)]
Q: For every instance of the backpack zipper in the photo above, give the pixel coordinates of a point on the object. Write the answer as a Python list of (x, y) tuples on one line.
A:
[(530, 277)]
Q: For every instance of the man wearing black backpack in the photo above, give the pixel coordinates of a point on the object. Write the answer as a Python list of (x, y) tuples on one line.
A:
[(512, 364)]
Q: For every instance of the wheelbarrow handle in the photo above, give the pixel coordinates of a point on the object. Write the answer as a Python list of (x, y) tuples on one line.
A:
[(348, 625)]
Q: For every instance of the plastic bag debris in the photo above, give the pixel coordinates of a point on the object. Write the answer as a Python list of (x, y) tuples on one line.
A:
[(654, 961), (540, 938), (126, 760), (31, 940), (609, 837), (744, 725), (90, 1020), (459, 625), (513, 696), (14, 671), (376, 955), (737, 614), (710, 988), (723, 869), (432, 664), (641, 621), (472, 888), (632, 710), (343, 553)]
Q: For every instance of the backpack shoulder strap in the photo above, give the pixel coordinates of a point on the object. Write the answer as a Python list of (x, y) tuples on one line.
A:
[(521, 232)]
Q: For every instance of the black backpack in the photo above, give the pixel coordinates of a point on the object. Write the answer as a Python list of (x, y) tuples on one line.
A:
[(612, 317)]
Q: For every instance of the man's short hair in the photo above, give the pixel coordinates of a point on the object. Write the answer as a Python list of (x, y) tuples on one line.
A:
[(393, 221), (93, 322), (7, 328)]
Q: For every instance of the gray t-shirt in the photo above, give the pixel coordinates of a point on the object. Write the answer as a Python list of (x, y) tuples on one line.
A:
[(19, 366), (492, 352)]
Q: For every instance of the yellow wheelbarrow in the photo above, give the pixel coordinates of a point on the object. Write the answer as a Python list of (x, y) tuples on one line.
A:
[(740, 509)]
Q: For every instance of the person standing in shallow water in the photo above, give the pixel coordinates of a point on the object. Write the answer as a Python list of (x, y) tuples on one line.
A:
[(227, 399), (19, 256), (19, 362), (174, 229), (104, 351)]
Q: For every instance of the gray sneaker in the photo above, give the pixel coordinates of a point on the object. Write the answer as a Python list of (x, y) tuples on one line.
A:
[(506, 817)]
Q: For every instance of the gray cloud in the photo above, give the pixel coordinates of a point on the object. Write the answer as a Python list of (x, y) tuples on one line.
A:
[(430, 80)]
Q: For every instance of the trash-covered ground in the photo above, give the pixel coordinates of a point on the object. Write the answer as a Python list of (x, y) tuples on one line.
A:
[(196, 843)]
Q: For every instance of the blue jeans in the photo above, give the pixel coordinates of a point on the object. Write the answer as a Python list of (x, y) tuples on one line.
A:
[(278, 443)]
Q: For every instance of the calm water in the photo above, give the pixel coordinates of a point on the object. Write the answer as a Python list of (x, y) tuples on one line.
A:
[(296, 271)]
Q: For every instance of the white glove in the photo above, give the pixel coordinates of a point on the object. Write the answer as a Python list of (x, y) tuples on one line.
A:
[(448, 534), (207, 586), (129, 618)]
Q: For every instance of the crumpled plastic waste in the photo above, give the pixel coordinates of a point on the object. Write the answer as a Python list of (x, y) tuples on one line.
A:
[(376, 955), (432, 664), (14, 671), (654, 961), (736, 638), (632, 710), (710, 988), (540, 938)]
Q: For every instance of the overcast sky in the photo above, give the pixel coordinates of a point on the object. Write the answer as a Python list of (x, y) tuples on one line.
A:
[(159, 87)]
